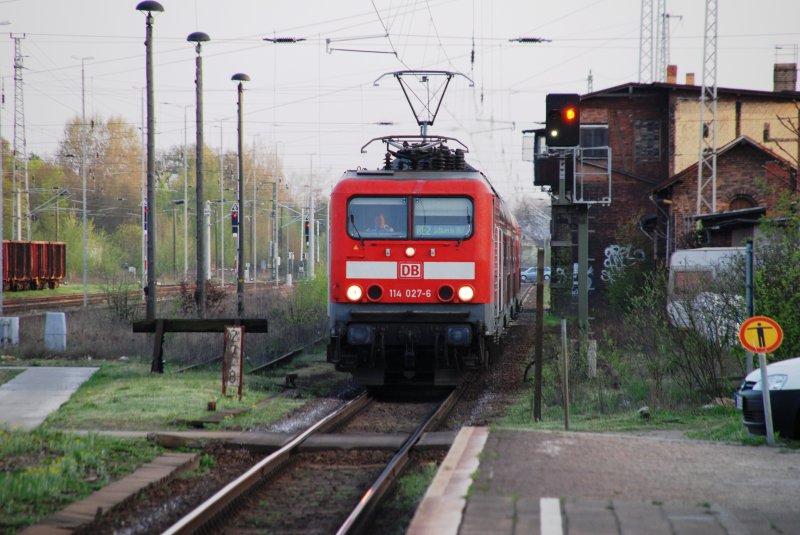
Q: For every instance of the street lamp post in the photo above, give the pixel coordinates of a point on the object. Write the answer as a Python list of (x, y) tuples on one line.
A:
[(2, 23), (83, 177), (241, 78), (200, 291), (149, 6)]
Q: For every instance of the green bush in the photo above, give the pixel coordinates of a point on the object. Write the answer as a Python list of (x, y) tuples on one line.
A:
[(777, 274)]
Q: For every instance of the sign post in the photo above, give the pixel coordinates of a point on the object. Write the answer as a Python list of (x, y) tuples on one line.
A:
[(232, 365), (762, 335)]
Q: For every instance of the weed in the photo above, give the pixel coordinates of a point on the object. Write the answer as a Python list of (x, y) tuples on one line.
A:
[(45, 469)]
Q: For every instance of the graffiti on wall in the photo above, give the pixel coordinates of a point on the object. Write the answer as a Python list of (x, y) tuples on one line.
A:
[(618, 258)]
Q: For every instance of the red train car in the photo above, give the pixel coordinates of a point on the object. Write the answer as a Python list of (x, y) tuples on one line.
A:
[(424, 263), (33, 265)]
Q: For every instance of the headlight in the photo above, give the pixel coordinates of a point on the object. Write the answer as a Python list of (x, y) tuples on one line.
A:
[(775, 382), (354, 292), (466, 293)]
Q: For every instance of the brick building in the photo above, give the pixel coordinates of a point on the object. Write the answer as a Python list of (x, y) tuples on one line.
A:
[(653, 132), (750, 178)]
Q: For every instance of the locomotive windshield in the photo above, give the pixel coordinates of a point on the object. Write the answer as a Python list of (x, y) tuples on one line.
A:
[(434, 218), (442, 218), (377, 217)]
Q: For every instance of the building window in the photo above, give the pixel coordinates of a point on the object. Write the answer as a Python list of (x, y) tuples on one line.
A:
[(594, 135), (647, 141)]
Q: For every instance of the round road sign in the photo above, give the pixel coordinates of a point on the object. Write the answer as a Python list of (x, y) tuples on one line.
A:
[(760, 334)]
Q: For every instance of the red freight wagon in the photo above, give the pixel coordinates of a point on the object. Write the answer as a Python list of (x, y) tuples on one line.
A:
[(33, 265), (424, 264)]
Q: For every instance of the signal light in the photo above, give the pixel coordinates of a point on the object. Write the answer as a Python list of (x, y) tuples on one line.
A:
[(563, 119), (308, 231), (235, 223)]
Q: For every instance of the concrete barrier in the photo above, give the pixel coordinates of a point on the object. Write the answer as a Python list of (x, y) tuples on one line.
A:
[(55, 331), (9, 331)]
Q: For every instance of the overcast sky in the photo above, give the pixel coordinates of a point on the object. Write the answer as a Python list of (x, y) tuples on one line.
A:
[(316, 104)]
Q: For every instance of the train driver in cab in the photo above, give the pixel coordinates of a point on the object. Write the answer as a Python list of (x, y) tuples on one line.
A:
[(381, 224)]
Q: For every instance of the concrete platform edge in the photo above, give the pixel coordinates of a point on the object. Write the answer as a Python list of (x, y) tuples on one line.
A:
[(442, 507)]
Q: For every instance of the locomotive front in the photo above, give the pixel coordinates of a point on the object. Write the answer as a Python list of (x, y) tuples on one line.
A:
[(421, 254)]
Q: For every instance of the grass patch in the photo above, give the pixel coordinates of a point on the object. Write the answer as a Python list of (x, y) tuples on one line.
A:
[(127, 396), (721, 424), (551, 320), (44, 470), (394, 516), (7, 374)]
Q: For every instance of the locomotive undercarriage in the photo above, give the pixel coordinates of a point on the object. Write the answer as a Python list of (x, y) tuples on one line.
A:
[(410, 353)]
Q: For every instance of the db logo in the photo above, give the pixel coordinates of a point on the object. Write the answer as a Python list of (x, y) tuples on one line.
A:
[(410, 271)]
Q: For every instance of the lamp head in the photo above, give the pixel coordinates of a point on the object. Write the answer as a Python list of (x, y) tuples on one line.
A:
[(198, 37), (240, 77), (149, 6)]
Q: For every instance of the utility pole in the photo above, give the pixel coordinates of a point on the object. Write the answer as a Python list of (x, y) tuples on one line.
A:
[(2, 23), (311, 257), (150, 6), (185, 199), (664, 46), (240, 78), (646, 43), (707, 158), (253, 252), (83, 179), (200, 291), (222, 210), (207, 255), (143, 201), (20, 145), (275, 234)]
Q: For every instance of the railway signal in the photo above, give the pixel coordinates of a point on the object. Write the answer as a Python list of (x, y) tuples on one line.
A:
[(563, 119), (308, 231), (235, 219)]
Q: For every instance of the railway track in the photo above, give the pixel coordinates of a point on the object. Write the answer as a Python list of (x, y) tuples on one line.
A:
[(66, 302), (326, 476), (365, 475), (61, 302), (18, 305)]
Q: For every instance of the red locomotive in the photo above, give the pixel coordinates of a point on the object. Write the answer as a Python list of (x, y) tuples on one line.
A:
[(33, 265), (424, 263)]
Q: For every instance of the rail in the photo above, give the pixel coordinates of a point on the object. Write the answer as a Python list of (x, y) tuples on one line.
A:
[(359, 519), (207, 511)]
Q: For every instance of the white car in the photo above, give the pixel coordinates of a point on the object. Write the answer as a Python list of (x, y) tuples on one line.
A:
[(784, 396)]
